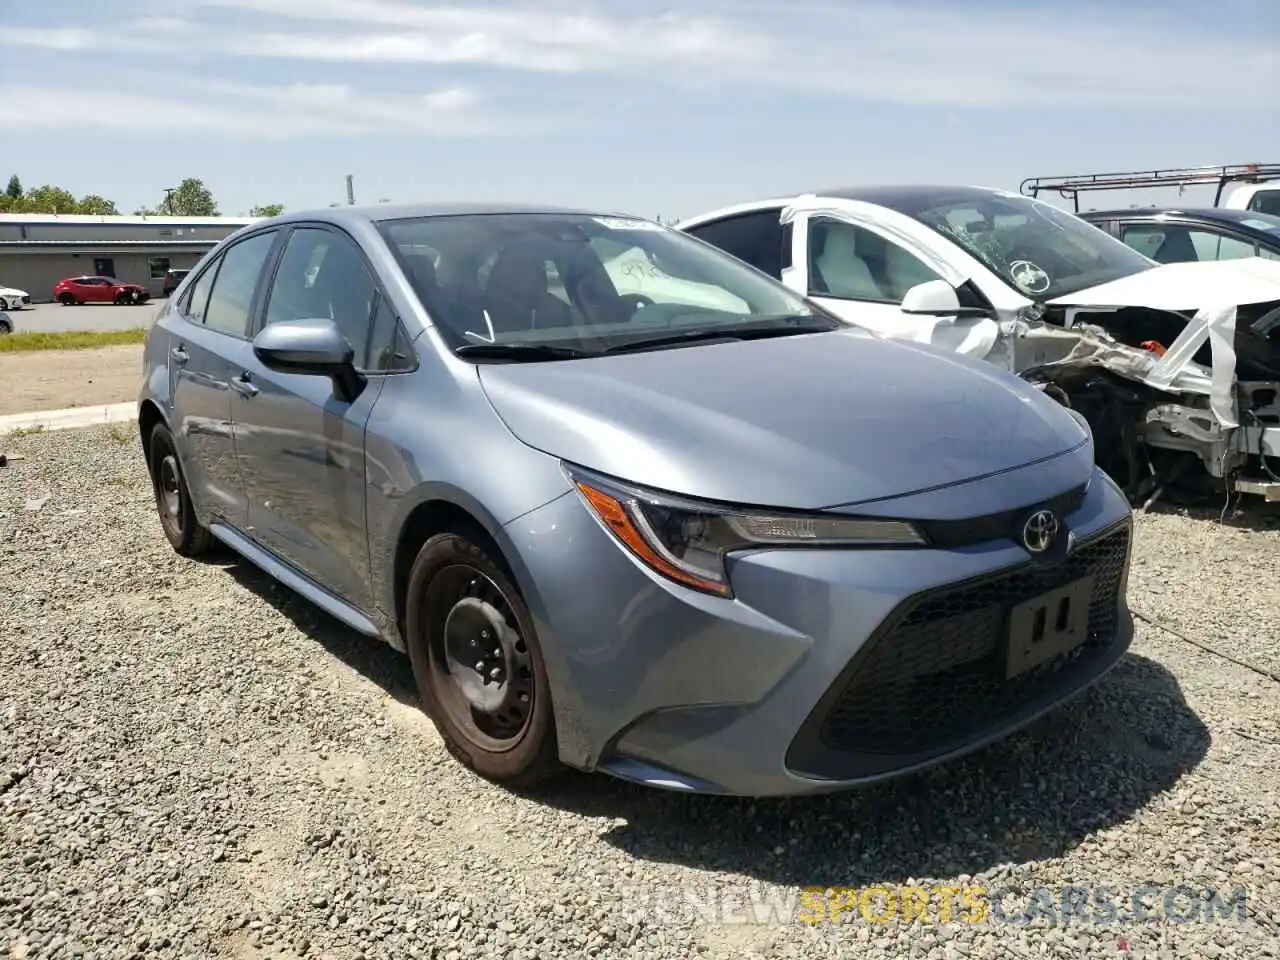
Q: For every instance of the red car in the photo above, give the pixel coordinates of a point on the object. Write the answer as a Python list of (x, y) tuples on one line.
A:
[(75, 290)]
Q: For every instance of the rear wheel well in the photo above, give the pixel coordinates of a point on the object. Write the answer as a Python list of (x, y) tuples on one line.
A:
[(149, 417), (427, 520)]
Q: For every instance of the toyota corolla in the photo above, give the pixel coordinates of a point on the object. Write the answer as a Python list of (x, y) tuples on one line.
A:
[(695, 531)]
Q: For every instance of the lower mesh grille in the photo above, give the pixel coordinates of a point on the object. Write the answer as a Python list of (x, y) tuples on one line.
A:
[(935, 677)]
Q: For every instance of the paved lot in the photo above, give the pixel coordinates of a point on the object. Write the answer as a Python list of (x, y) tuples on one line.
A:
[(55, 318), (195, 763)]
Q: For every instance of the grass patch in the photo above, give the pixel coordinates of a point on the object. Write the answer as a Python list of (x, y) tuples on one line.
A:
[(70, 340), (19, 432)]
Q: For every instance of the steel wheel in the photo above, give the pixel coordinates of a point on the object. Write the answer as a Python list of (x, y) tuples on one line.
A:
[(478, 663), (484, 660), (173, 500), (169, 484)]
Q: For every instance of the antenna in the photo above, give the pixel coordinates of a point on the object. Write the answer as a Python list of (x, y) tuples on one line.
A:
[(351, 190)]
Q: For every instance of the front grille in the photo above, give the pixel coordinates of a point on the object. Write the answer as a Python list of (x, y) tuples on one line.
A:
[(933, 678)]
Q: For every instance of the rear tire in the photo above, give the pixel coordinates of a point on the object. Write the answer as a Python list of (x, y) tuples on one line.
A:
[(6, 327), (478, 664), (66, 299), (173, 500)]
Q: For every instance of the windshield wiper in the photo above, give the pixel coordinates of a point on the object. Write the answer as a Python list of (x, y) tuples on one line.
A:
[(791, 326), (521, 351)]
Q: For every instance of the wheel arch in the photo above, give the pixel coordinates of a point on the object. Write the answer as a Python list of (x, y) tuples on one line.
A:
[(442, 509), (149, 417)]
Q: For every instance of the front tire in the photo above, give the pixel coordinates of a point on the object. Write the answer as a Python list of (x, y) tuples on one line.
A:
[(173, 499), (478, 664), (4, 304), (6, 327)]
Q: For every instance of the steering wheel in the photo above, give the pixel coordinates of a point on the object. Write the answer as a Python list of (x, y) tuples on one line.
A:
[(637, 300)]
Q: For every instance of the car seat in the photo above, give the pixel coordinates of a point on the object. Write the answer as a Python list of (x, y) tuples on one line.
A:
[(516, 294), (843, 272)]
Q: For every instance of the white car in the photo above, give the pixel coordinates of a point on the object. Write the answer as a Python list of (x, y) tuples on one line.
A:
[(13, 299), (1177, 362)]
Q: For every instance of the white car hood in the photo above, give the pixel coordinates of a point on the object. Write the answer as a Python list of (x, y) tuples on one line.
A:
[(1186, 286), (1213, 289), (12, 292)]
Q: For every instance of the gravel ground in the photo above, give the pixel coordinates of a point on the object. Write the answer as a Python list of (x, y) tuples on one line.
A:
[(194, 763)]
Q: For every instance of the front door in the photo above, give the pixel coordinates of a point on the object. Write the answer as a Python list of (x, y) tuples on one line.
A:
[(862, 275), (301, 446)]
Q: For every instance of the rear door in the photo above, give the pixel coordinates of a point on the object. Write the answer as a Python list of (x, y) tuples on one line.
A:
[(301, 446), (209, 338)]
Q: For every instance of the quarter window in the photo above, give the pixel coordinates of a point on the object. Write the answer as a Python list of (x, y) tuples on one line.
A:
[(232, 294), (197, 299), (848, 262)]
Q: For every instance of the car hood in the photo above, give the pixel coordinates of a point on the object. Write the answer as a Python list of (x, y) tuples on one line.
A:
[(801, 422), (12, 292), (1186, 286)]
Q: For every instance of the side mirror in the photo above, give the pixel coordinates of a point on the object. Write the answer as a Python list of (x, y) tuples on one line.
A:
[(312, 347), (937, 298)]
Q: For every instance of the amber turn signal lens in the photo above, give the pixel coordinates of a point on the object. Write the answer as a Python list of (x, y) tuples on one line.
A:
[(613, 513)]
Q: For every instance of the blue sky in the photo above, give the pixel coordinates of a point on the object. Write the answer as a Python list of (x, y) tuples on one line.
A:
[(655, 109)]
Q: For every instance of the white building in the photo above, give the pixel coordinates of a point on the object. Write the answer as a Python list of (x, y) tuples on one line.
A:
[(39, 249)]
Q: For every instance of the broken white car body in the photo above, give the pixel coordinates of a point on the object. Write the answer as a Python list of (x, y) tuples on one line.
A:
[(1039, 292)]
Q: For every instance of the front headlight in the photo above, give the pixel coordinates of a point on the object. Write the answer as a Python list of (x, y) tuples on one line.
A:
[(687, 541)]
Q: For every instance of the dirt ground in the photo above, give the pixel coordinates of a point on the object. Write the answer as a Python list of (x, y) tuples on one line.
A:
[(58, 379)]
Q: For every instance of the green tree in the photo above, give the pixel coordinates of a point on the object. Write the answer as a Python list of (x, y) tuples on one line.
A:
[(98, 206), (14, 190), (48, 199), (267, 210), (191, 198)]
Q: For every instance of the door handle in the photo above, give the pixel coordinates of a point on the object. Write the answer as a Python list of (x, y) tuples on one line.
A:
[(242, 386), (179, 355)]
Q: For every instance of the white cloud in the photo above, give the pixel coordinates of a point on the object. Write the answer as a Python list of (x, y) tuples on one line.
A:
[(889, 51), (230, 111), (537, 38)]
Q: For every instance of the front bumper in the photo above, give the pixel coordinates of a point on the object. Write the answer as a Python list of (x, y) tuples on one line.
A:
[(829, 669)]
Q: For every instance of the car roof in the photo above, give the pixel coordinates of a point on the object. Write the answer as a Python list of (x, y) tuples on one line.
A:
[(912, 197), (1200, 213), (383, 211)]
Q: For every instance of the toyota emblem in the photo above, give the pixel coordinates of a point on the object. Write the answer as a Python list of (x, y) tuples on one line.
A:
[(1039, 531)]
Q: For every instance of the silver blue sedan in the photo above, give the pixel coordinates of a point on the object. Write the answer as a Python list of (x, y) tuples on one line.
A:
[(628, 504)]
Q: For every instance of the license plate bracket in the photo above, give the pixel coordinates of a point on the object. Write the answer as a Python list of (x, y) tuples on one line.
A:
[(1048, 625)]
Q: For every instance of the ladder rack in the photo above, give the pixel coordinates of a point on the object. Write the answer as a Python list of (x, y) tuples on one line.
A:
[(1071, 187)]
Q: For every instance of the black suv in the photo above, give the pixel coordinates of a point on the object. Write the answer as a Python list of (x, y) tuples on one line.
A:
[(171, 280)]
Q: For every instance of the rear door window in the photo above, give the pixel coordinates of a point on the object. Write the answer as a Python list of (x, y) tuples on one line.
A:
[(231, 298)]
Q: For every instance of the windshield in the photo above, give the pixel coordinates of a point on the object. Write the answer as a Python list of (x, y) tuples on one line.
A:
[(1039, 250), (583, 283)]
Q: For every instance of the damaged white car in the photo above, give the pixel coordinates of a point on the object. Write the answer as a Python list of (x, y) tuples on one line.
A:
[(1176, 367)]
